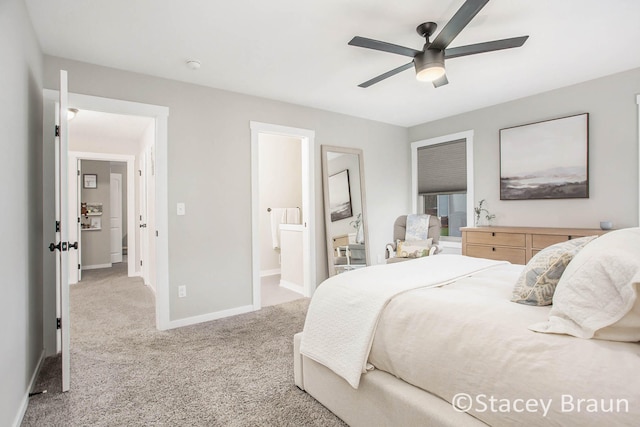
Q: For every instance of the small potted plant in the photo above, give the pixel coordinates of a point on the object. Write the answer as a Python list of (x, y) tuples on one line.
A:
[(480, 210)]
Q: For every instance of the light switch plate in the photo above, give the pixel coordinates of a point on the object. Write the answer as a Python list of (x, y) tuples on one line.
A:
[(181, 209)]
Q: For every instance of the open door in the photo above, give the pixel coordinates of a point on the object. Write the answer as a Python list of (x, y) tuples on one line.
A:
[(62, 245)]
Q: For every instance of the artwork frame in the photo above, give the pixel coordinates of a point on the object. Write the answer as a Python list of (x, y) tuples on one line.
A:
[(340, 196), (545, 160), (89, 180)]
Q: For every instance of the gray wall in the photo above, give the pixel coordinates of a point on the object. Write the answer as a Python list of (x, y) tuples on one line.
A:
[(96, 244), (21, 215), (613, 152), (209, 155)]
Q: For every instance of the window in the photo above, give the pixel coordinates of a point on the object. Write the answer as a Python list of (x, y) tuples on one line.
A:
[(452, 210), (442, 180)]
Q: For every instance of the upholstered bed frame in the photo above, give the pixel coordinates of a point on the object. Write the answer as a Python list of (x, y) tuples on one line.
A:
[(381, 398)]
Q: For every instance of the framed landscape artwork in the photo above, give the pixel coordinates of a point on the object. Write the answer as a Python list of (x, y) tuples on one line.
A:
[(545, 160), (340, 196)]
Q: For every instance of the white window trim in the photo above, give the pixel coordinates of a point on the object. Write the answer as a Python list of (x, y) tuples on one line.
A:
[(468, 136)]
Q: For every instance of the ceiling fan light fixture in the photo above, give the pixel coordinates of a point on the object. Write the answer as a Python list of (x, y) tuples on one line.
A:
[(429, 65)]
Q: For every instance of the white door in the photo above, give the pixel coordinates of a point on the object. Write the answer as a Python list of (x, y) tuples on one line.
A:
[(144, 231), (78, 211), (62, 245), (116, 217)]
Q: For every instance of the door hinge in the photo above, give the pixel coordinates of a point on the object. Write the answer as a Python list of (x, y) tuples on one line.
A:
[(57, 130), (78, 220), (156, 233), (57, 226), (79, 267), (58, 323), (78, 173), (140, 172)]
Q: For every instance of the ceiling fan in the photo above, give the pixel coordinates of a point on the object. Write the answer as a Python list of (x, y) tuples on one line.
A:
[(429, 62)]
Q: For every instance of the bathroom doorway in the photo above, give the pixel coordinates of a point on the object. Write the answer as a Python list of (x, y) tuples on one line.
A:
[(283, 212)]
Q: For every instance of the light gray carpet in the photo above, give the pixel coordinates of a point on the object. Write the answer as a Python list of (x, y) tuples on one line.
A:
[(236, 371)]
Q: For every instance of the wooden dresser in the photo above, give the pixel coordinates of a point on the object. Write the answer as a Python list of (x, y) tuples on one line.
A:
[(516, 244)]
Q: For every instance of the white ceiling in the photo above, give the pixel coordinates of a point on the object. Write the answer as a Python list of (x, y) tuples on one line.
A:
[(296, 51), (92, 131)]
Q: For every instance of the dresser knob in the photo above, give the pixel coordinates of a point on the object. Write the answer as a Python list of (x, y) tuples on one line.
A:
[(493, 249), (493, 234)]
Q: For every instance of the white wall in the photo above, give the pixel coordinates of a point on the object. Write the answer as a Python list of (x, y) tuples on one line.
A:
[(21, 256), (209, 151), (613, 152), (280, 166)]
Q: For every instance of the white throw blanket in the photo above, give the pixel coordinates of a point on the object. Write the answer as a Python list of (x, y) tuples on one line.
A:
[(345, 309)]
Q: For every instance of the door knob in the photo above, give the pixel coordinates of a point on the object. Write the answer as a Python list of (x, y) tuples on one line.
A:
[(53, 247), (73, 245)]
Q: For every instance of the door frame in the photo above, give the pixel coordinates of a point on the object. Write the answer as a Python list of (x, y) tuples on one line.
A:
[(161, 116), (307, 140)]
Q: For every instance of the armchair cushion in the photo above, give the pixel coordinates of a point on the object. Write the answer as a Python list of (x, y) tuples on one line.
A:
[(414, 248)]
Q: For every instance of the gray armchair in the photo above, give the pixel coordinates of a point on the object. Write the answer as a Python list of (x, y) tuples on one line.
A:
[(399, 231)]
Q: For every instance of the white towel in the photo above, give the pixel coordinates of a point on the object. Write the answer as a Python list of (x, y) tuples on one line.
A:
[(278, 216), (293, 216)]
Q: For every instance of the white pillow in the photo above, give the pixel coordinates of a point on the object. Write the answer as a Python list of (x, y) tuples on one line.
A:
[(597, 296)]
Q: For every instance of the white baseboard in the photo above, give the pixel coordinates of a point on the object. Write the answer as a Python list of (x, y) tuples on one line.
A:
[(273, 272), (209, 316), (96, 266), (25, 400), (292, 286)]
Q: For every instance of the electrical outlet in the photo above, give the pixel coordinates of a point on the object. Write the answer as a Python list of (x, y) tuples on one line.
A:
[(182, 291)]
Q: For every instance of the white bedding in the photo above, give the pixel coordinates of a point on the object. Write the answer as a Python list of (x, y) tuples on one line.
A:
[(344, 311), (468, 337)]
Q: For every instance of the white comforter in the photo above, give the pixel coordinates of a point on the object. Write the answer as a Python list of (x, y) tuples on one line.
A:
[(345, 309), (468, 338)]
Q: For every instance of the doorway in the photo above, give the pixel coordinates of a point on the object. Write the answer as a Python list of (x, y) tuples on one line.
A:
[(159, 237), (304, 232)]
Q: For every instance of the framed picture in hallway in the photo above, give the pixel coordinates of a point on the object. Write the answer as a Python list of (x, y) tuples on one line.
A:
[(89, 180)]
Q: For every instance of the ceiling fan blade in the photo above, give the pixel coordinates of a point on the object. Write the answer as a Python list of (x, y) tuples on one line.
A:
[(472, 49), (463, 16), (441, 81), (383, 46), (386, 75)]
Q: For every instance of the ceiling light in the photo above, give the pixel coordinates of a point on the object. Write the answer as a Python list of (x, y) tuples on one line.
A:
[(193, 64), (71, 113), (429, 65)]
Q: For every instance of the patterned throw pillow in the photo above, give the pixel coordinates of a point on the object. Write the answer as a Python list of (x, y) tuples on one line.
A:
[(538, 281), (413, 248)]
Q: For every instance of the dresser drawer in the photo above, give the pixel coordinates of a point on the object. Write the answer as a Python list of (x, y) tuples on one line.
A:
[(497, 238), (541, 241), (513, 255)]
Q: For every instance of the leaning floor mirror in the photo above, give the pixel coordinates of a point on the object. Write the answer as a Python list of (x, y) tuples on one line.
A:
[(344, 209)]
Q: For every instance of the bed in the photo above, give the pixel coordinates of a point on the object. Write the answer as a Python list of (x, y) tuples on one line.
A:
[(438, 341)]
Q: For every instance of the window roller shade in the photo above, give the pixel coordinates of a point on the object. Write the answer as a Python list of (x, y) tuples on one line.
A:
[(442, 168)]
